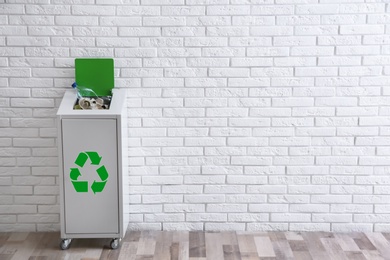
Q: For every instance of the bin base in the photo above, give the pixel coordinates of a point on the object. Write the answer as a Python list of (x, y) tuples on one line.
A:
[(65, 243), (114, 243)]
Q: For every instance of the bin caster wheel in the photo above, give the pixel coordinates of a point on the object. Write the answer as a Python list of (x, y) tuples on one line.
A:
[(65, 244), (114, 243)]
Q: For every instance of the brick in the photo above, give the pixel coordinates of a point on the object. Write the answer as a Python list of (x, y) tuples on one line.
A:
[(298, 180), (183, 10), (162, 2), (347, 227), (224, 189), (298, 19), (164, 217), (313, 51), (224, 226), (205, 102), (253, 20), (160, 161), (269, 207), (223, 52), (352, 170), (226, 208), (317, 9), (207, 160), (234, 179), (222, 170), (264, 227), (212, 179), (87, 10), (252, 62), (294, 41), (246, 198), (250, 41), (188, 132), (228, 10), (30, 41), (308, 189), (351, 208), (182, 226), (287, 160), (357, 50), (164, 21), (216, 217), (248, 217), (205, 141), (209, 20), (183, 31), (49, 31), (343, 19), (362, 8), (267, 51), (312, 208), (310, 227), (208, 62), (290, 217), (227, 31), (351, 189)]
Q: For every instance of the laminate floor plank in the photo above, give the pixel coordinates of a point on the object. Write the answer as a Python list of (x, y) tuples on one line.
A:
[(380, 243), (17, 237), (281, 246), (346, 242), (247, 245), (47, 247), (184, 250), (316, 248), (28, 246), (147, 243), (333, 248), (231, 252), (194, 245), (353, 255), (128, 251), (164, 249), (363, 242), (132, 236), (214, 246), (293, 236), (197, 245), (387, 236), (372, 255), (107, 253), (264, 247), (302, 255), (182, 238)]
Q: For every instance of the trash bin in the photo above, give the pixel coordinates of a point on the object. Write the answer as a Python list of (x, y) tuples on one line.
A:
[(93, 159)]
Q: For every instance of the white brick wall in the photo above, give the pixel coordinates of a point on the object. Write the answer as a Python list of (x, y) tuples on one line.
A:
[(243, 115)]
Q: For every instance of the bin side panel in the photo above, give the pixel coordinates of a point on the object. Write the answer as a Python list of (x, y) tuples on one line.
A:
[(125, 171), (90, 176)]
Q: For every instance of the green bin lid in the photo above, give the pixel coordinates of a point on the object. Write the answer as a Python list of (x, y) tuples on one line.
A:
[(96, 74)]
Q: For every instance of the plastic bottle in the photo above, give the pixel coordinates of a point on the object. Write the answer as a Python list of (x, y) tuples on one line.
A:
[(83, 92), (87, 98)]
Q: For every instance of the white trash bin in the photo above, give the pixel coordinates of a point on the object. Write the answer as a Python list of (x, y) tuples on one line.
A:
[(92, 147)]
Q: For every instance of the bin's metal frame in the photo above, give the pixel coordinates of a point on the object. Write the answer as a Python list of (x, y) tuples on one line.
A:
[(118, 111)]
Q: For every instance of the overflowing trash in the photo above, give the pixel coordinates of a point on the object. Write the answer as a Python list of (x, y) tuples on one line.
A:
[(87, 99)]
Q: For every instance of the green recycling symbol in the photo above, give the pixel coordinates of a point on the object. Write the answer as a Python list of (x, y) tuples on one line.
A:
[(82, 186)]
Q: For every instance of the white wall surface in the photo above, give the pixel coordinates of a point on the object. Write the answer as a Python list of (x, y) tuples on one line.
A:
[(244, 114)]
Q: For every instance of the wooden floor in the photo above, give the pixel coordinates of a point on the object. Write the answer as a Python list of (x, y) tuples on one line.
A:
[(156, 245)]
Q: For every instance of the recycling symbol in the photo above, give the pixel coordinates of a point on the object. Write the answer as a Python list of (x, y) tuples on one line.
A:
[(82, 186)]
